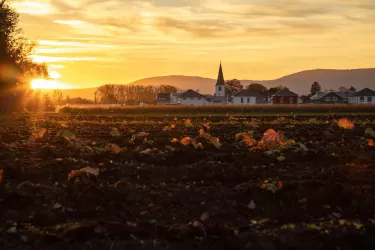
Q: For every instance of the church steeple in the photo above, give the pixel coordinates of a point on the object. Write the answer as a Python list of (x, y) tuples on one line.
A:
[(220, 78)]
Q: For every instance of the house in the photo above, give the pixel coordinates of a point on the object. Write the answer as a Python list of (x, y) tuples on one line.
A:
[(174, 98), (163, 98), (209, 98), (327, 98), (303, 99), (342, 97), (192, 97), (364, 96), (284, 96), (262, 99), (345, 95), (247, 97)]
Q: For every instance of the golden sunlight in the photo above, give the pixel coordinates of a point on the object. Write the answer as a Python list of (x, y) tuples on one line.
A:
[(48, 84), (54, 74)]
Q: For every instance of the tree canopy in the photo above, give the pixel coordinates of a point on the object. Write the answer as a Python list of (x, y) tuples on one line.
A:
[(352, 89), (233, 86), (258, 88), (315, 88), (16, 66), (274, 90), (343, 89)]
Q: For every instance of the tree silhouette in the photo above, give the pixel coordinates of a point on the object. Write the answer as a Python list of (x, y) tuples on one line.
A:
[(258, 88), (343, 89), (131, 94), (48, 104), (16, 66), (57, 96), (315, 88), (167, 89), (352, 89), (274, 90), (233, 86)]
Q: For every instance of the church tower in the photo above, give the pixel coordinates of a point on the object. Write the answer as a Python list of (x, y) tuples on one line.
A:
[(220, 84)]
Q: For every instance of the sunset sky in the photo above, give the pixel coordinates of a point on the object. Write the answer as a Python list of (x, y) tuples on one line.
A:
[(93, 42)]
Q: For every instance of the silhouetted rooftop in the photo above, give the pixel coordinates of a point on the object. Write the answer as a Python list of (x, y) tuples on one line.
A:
[(191, 94), (365, 92), (246, 92), (285, 92)]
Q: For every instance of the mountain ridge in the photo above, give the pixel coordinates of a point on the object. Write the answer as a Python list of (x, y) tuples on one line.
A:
[(299, 82)]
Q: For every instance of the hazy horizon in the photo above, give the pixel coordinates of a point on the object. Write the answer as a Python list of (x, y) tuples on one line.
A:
[(89, 43)]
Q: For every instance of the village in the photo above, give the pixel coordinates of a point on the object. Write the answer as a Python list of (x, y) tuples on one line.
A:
[(248, 97)]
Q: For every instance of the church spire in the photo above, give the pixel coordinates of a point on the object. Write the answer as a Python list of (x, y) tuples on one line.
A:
[(220, 78)]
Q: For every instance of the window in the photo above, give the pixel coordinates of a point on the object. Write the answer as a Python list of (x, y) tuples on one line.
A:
[(335, 98), (327, 99), (290, 99), (219, 88), (369, 99), (184, 98), (241, 99), (281, 99), (192, 98), (199, 98), (362, 99), (248, 100)]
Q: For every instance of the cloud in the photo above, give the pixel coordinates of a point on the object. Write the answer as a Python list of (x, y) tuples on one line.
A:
[(34, 7), (206, 28), (54, 59), (132, 34), (74, 23)]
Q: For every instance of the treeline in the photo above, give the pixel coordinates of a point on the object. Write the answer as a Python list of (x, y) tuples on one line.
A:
[(131, 94), (37, 100)]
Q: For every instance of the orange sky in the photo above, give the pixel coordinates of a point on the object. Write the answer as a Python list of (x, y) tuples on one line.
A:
[(93, 42)]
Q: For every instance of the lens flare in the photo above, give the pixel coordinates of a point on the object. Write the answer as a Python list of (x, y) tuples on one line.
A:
[(48, 84)]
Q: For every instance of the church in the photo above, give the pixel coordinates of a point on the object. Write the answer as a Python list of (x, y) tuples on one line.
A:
[(191, 97)]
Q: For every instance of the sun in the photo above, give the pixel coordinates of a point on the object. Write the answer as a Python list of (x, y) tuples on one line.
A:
[(53, 83), (47, 84)]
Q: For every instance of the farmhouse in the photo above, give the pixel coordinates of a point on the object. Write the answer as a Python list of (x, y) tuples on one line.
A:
[(364, 96), (332, 97), (163, 98), (192, 97), (246, 97), (284, 97)]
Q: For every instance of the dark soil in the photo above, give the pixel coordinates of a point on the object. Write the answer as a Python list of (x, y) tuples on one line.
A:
[(177, 197)]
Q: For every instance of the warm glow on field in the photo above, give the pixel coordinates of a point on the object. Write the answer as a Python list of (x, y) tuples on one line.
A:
[(48, 84)]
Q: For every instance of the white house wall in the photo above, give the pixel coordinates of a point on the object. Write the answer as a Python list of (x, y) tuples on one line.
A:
[(174, 99), (237, 100), (357, 100), (193, 101)]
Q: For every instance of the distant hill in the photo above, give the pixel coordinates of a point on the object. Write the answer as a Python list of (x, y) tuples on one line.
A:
[(298, 82), (328, 78), (204, 85)]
